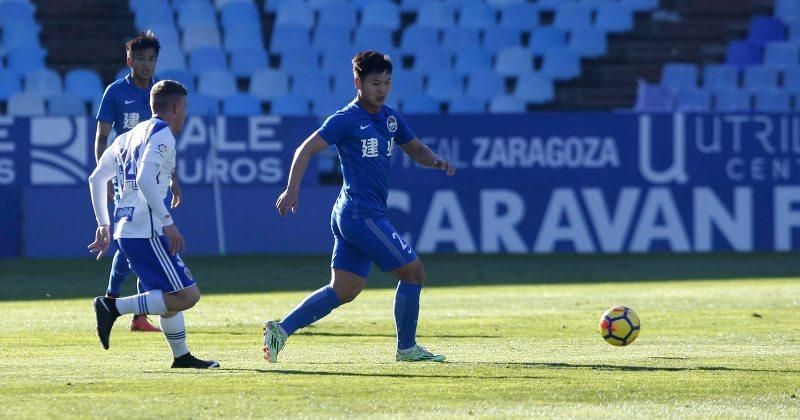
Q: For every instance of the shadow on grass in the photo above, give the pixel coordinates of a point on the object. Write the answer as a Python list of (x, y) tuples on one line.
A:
[(380, 375), (22, 279), (331, 334), (631, 368)]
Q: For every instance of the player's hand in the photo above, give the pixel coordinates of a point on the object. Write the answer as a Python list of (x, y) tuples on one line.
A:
[(444, 165), (176, 194), (174, 239), (286, 201), (102, 237), (110, 192)]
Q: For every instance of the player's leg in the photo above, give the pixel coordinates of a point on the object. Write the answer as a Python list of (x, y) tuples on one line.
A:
[(119, 271), (140, 322)]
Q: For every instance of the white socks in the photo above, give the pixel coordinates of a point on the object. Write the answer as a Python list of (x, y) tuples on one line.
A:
[(175, 332), (148, 303)]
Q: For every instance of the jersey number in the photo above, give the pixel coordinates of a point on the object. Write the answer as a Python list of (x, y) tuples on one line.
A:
[(402, 242), (128, 168)]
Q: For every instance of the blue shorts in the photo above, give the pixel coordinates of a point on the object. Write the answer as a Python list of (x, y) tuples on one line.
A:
[(360, 242), (156, 268)]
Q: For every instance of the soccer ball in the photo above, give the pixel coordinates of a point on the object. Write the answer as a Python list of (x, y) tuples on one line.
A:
[(619, 326)]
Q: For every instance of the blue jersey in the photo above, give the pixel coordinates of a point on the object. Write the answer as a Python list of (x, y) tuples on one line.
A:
[(124, 105), (365, 143)]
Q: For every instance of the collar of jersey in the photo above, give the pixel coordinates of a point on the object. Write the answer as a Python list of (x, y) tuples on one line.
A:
[(129, 79)]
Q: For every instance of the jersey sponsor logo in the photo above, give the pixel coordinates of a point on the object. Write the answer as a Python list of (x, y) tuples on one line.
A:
[(130, 119), (59, 151), (7, 172), (123, 213), (391, 123), (369, 147), (161, 149)]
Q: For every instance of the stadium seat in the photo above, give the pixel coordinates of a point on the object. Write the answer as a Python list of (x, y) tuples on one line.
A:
[(138, 6), (546, 38), (199, 36), (573, 15), (337, 14), (652, 98), (166, 33), (325, 105), (472, 59), (406, 84), (484, 85), (466, 105), (760, 77), (267, 84), (294, 13), (15, 11), (208, 58), (20, 34), (432, 60), (299, 60), (420, 104), (186, 79), (588, 42), (415, 37), (520, 16), (83, 83), (457, 38), (216, 83), (503, 3), (435, 15), (782, 54), (500, 37), (693, 100), (43, 82), (271, 6), (10, 83), (765, 29), (732, 100), (196, 13), (381, 13), (25, 59), (289, 105), (561, 65), (613, 18), (719, 77), (170, 58), (66, 104), (343, 88), (640, 5), (373, 37), (309, 83), (248, 36), (445, 86), (476, 15), (773, 100), (507, 104), (245, 62), (125, 71), (334, 59), (241, 104), (787, 10), (513, 61), (535, 88), (202, 105), (286, 38), (742, 53), (160, 14), (238, 13), (791, 80), (24, 104), (679, 76), (330, 37)]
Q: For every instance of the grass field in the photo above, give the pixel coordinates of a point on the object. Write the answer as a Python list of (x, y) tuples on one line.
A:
[(720, 338)]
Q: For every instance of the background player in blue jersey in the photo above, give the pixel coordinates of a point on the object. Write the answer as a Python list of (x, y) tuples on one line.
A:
[(364, 134), (125, 103)]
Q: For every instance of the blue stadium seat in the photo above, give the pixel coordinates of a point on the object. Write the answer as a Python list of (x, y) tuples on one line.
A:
[(15, 11), (432, 60), (43, 82), (719, 77), (161, 14), (373, 37), (381, 13), (503, 3), (791, 80), (513, 61), (339, 14), (787, 10), (66, 104), (196, 13), (435, 15), (20, 34), (561, 65), (199, 36), (500, 37), (24, 104), (171, 58), (406, 84), (773, 100), (138, 6), (420, 104), (507, 104), (652, 98), (239, 13), (693, 100), (546, 4), (241, 37), (25, 59), (343, 88), (416, 37), (241, 104), (216, 83), (289, 37), (271, 6), (573, 15), (166, 33), (640, 5), (484, 85), (782, 54), (202, 105), (10, 83), (679, 76), (267, 84), (246, 61), (613, 18), (325, 105), (445, 86), (535, 88), (208, 58), (588, 42), (329, 37), (309, 83), (457, 38), (335, 59), (743, 53), (520, 16), (186, 79), (765, 29), (732, 100), (295, 13), (125, 71), (794, 31), (289, 105), (760, 78), (472, 59), (476, 15), (546, 38), (299, 60), (83, 83), (466, 105)]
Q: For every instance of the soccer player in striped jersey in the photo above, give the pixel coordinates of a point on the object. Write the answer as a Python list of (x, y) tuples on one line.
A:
[(142, 161), (125, 103), (364, 134)]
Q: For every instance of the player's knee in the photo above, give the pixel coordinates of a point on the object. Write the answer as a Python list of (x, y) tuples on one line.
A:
[(347, 295), (413, 273)]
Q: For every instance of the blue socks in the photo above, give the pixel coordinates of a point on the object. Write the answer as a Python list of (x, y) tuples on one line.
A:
[(313, 308), (406, 313), (119, 271)]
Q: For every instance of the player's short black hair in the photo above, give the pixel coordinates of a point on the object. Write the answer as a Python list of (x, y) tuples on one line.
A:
[(143, 41), (164, 93), (369, 62)]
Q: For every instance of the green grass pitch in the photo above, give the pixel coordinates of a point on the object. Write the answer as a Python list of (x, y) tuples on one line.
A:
[(720, 338)]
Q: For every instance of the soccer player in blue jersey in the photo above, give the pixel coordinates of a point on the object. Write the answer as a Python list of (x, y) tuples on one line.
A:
[(364, 134), (125, 103), (141, 161)]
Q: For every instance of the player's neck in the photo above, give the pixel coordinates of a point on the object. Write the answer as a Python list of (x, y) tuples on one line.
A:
[(140, 82), (367, 107)]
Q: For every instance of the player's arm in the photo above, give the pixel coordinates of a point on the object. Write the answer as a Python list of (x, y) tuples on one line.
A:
[(175, 187), (288, 199), (423, 155), (98, 180), (101, 139)]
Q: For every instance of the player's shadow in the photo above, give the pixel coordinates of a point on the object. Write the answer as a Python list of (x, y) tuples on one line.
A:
[(384, 375), (349, 334), (633, 368)]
